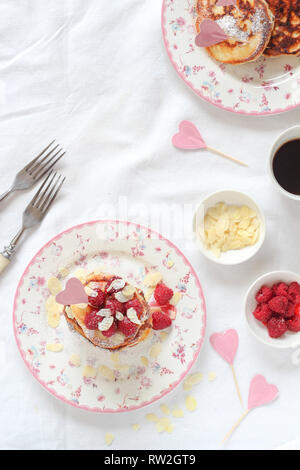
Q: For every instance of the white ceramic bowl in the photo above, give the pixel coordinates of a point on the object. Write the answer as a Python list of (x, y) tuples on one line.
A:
[(230, 198), (289, 339), (289, 134)]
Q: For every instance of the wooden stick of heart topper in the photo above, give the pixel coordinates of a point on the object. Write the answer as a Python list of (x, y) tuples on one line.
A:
[(189, 138)]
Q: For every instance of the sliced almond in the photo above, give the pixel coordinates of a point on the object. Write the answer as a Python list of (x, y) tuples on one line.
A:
[(53, 319), (169, 429), (149, 293), (152, 279), (177, 413), (107, 373), (105, 312), (191, 380), (105, 324), (54, 285), (128, 292), (162, 424), (132, 316), (163, 335), (190, 403), (152, 417), (175, 299), (212, 376), (155, 350), (63, 272), (75, 360), (54, 347), (115, 357), (119, 316), (120, 297), (165, 409), (69, 313), (81, 274), (144, 361), (53, 306), (89, 372), (122, 367), (109, 438), (117, 284), (90, 292)]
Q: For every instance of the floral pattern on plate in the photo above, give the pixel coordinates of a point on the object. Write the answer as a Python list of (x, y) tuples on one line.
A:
[(266, 86), (129, 250)]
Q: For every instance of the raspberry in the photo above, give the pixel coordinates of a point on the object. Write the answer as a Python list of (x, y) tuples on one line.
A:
[(294, 291), (160, 321), (277, 326), (290, 310), (91, 320), (281, 289), (264, 294), (262, 313), (163, 294), (115, 306), (279, 304), (134, 303), (112, 330), (293, 323), (127, 327), (297, 310), (97, 301)]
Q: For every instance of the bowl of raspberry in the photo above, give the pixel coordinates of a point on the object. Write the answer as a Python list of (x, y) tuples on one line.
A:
[(272, 307)]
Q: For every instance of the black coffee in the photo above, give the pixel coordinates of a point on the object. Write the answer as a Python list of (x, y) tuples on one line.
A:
[(286, 166)]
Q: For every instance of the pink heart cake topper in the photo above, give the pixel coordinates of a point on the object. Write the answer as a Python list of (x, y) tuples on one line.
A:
[(226, 344), (210, 33), (225, 3), (73, 294), (188, 137), (261, 392)]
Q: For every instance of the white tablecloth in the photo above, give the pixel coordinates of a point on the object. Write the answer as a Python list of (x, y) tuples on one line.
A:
[(95, 75)]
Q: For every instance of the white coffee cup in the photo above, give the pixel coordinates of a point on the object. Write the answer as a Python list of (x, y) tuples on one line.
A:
[(290, 134)]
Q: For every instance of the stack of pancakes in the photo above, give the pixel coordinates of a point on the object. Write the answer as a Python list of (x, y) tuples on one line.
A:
[(253, 27), (75, 316)]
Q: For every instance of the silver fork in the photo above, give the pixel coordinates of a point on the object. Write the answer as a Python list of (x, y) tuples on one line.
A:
[(34, 212), (36, 169)]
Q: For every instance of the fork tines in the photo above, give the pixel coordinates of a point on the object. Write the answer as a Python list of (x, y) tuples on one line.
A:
[(41, 164), (47, 192)]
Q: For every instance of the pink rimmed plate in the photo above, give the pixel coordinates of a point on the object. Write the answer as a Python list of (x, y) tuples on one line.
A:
[(266, 86), (129, 250)]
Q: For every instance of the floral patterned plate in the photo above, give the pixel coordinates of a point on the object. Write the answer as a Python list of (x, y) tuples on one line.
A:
[(266, 86), (145, 372)]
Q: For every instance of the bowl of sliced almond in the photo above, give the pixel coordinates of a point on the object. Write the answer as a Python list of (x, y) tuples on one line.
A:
[(229, 227)]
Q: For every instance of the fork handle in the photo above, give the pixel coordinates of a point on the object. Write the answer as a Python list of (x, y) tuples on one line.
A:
[(4, 195), (4, 262), (6, 256)]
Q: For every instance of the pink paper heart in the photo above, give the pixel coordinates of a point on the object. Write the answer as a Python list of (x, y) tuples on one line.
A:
[(225, 3), (225, 344), (260, 392), (188, 137), (73, 294), (210, 33)]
